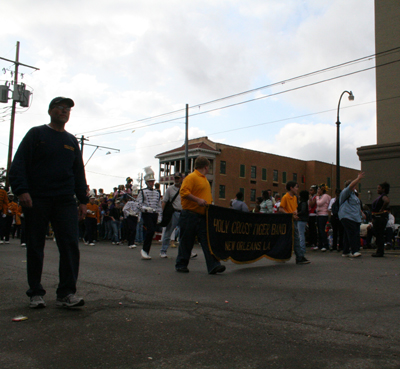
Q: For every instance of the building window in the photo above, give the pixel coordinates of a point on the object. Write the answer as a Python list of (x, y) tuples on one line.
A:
[(222, 167), (221, 191), (275, 176), (295, 177), (264, 174), (253, 195), (283, 177), (253, 172), (328, 182), (359, 187), (242, 171), (211, 167)]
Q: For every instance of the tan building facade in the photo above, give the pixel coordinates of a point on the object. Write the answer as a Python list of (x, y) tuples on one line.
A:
[(235, 169), (381, 162)]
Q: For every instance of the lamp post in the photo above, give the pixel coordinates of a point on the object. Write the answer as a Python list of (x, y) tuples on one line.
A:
[(351, 98)]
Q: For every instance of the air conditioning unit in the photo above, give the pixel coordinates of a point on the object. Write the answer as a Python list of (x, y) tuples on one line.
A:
[(4, 93), (25, 99)]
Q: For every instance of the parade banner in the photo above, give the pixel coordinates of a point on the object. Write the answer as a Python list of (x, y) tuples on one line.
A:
[(247, 237)]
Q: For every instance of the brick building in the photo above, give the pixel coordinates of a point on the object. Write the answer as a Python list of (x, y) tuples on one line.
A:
[(236, 169)]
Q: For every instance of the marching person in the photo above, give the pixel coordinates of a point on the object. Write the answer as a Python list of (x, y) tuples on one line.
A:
[(172, 194), (131, 212), (195, 196), (149, 204), (46, 173)]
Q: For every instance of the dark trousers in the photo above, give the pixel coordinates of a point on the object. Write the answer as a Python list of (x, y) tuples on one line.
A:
[(90, 229), (150, 223), (62, 212), (351, 236), (192, 225), (23, 230), (337, 233), (379, 226), (131, 223), (312, 231), (7, 227), (323, 239)]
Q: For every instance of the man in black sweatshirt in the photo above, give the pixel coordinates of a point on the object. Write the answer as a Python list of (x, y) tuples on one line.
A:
[(46, 173)]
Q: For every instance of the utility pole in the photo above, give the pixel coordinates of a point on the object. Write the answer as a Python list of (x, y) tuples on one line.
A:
[(14, 104), (83, 139), (187, 141)]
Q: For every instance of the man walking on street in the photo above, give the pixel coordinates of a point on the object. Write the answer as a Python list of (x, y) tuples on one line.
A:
[(46, 173), (195, 196), (149, 204)]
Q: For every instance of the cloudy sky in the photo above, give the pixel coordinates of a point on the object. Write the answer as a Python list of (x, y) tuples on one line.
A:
[(125, 61)]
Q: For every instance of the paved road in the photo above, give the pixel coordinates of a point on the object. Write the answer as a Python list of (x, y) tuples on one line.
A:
[(333, 313)]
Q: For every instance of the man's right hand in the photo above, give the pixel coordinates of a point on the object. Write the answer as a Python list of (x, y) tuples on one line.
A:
[(202, 202), (25, 200)]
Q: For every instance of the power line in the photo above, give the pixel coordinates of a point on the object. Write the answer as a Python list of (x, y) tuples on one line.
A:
[(250, 91), (261, 97)]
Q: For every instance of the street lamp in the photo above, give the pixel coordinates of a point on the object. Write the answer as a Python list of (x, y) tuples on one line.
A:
[(351, 98)]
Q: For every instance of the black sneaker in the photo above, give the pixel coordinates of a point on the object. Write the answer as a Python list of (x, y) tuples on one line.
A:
[(303, 260), (218, 269), (182, 270)]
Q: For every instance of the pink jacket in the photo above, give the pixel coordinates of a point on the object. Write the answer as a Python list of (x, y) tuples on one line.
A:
[(322, 204)]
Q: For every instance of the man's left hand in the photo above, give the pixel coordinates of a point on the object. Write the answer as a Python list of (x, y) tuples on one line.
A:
[(82, 211)]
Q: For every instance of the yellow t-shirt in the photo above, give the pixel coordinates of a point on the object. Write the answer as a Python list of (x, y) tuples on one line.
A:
[(289, 203), (195, 184)]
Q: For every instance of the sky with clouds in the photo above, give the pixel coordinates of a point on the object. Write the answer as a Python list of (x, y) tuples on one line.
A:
[(125, 61)]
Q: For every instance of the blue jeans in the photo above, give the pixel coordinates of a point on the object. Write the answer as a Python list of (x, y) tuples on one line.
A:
[(108, 230), (139, 231), (62, 212), (115, 230), (168, 231), (192, 225), (301, 225), (297, 248)]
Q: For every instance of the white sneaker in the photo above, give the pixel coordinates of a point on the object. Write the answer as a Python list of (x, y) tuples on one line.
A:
[(193, 255), (356, 255), (37, 302), (145, 255), (7, 242), (346, 255), (91, 244), (323, 249), (163, 254), (132, 246), (23, 244), (1, 241), (315, 248)]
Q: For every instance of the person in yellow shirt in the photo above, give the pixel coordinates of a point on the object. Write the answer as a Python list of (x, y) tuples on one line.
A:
[(91, 221), (195, 195), (289, 205)]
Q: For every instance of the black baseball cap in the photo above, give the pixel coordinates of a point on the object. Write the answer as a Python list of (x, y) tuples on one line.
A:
[(178, 175), (59, 99)]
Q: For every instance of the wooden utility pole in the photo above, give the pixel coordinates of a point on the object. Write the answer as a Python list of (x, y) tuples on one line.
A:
[(13, 109)]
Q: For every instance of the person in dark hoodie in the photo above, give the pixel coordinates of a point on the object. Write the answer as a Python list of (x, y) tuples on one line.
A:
[(46, 175), (302, 213)]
